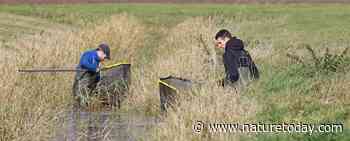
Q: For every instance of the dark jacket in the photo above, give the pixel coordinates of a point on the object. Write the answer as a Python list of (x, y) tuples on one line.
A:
[(234, 57)]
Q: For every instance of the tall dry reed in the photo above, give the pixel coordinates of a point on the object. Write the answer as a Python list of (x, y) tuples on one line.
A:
[(188, 51), (31, 104)]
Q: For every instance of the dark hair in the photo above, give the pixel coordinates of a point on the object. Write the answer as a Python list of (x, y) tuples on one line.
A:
[(223, 33)]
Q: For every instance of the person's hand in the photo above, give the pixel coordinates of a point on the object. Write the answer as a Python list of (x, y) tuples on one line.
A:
[(98, 69), (216, 44), (220, 83)]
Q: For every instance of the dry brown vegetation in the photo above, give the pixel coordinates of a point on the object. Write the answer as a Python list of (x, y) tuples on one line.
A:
[(31, 104), (184, 54), (187, 52)]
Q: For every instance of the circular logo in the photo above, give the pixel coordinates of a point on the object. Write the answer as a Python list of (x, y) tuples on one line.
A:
[(198, 126)]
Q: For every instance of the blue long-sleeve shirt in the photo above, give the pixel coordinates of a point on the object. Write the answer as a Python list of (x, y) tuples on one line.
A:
[(89, 61)]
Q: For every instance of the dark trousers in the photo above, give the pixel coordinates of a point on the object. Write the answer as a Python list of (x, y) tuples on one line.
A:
[(84, 85)]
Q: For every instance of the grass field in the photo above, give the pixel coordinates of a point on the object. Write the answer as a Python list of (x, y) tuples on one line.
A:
[(167, 1), (162, 39)]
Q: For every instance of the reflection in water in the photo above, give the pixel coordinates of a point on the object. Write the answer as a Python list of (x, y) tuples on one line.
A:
[(80, 125)]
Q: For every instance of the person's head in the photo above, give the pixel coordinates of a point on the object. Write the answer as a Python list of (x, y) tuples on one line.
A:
[(103, 52), (222, 37)]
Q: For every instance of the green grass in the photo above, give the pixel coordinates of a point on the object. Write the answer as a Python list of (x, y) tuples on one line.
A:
[(317, 23), (298, 137), (288, 97), (311, 17)]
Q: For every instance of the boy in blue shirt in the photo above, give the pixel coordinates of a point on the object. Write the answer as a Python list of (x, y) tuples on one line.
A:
[(88, 74)]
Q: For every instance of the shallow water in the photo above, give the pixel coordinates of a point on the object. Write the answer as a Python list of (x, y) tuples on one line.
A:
[(108, 125)]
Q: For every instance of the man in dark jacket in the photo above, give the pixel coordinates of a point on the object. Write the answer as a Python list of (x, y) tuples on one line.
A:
[(88, 74), (239, 66)]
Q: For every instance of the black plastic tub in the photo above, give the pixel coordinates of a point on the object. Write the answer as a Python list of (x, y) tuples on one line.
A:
[(170, 88), (111, 90), (115, 84)]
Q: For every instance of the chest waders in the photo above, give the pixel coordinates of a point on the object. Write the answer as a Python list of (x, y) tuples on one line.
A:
[(245, 64), (111, 89), (83, 87)]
